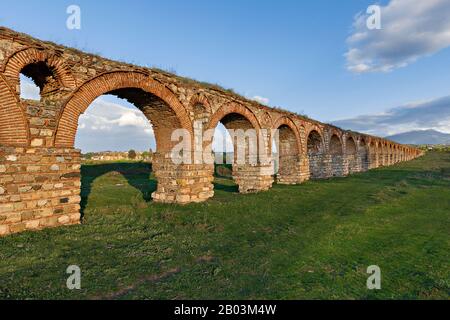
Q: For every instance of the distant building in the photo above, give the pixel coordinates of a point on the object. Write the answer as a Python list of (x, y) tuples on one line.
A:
[(117, 156)]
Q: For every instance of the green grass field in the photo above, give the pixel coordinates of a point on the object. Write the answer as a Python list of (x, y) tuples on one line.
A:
[(309, 241)]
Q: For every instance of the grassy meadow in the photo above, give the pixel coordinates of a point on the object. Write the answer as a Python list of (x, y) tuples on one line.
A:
[(308, 241)]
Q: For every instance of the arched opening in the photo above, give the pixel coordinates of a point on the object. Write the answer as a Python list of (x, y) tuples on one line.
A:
[(383, 149), (223, 150), (373, 159), (235, 147), (250, 172), (28, 89), (37, 80), (117, 143), (395, 154), (363, 154), (315, 153), (287, 167), (390, 155), (337, 159), (175, 181), (350, 151)]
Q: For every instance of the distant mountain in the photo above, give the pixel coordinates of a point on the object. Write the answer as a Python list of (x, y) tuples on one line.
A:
[(421, 137)]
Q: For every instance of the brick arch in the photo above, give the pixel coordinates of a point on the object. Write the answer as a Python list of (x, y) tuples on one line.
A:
[(80, 100), (315, 147), (363, 152), (340, 143), (389, 152), (20, 59), (371, 144), (230, 108), (284, 120), (200, 110), (314, 128), (266, 119), (14, 129), (364, 140), (309, 131), (200, 99), (334, 132), (372, 148), (352, 138)]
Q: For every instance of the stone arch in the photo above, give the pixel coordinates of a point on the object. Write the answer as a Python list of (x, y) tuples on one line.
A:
[(390, 154), (394, 153), (201, 107), (246, 163), (373, 154), (118, 82), (267, 120), (319, 134), (289, 151), (287, 122), (315, 147), (382, 155), (350, 145), (336, 151), (231, 108), (13, 123), (335, 144), (363, 154), (200, 112), (47, 69), (238, 117), (351, 154), (178, 180)]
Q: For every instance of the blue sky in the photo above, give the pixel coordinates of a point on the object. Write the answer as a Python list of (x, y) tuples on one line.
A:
[(291, 53)]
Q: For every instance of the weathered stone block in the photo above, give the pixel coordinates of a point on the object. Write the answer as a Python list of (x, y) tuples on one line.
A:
[(37, 142)]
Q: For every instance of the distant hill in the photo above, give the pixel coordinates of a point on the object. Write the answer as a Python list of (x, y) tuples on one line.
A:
[(421, 137)]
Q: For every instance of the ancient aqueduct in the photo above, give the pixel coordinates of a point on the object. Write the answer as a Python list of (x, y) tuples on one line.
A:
[(40, 168)]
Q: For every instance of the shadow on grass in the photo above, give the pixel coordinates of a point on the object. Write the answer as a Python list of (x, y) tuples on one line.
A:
[(233, 188), (137, 175), (223, 180)]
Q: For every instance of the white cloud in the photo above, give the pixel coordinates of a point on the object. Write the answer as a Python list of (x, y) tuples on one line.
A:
[(113, 126), (131, 119), (410, 29), (104, 115), (222, 140), (422, 115), (261, 100), (28, 89)]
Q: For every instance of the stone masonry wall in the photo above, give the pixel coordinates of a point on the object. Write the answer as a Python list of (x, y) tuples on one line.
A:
[(181, 183), (39, 187), (337, 165), (253, 178), (316, 167), (292, 170)]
